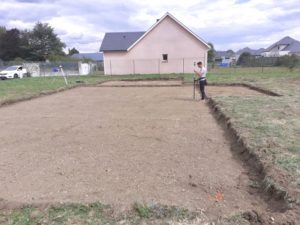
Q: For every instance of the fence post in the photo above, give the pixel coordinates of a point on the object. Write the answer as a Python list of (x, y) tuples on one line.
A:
[(110, 67), (133, 64), (158, 66)]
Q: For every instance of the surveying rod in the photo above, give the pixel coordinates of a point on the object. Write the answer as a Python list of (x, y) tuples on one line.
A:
[(194, 80), (63, 74), (194, 88)]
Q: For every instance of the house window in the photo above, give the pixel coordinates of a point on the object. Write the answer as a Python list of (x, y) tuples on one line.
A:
[(165, 57)]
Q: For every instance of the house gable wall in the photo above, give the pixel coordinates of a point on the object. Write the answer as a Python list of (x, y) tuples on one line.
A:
[(168, 37)]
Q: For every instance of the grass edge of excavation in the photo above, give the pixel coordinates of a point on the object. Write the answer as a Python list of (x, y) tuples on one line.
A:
[(23, 88), (97, 213)]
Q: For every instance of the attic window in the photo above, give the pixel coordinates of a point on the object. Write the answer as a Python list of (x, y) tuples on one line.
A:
[(165, 57)]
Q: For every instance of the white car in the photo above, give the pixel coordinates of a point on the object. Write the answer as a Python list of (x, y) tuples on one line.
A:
[(13, 72)]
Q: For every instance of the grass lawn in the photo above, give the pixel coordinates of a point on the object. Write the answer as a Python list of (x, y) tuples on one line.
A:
[(22, 88), (269, 124), (99, 214), (27, 87)]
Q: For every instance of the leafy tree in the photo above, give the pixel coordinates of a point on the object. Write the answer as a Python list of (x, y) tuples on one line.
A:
[(244, 59), (10, 45), (43, 42), (2, 30), (231, 52), (294, 60), (25, 50), (289, 61), (211, 53), (73, 51)]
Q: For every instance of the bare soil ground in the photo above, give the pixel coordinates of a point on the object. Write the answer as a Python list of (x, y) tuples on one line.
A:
[(142, 83), (122, 145)]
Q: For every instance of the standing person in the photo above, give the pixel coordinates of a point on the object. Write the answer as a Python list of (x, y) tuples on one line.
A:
[(201, 72)]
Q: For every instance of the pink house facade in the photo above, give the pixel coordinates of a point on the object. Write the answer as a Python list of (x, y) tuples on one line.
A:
[(167, 47)]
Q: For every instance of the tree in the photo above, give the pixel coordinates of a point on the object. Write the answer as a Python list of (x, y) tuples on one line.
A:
[(244, 59), (289, 61), (10, 45), (211, 53), (231, 52), (43, 42), (2, 30), (25, 50), (73, 51), (294, 60)]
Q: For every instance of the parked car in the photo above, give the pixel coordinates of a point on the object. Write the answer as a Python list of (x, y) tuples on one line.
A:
[(13, 72)]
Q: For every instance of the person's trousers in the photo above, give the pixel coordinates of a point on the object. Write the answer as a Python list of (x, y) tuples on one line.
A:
[(202, 84)]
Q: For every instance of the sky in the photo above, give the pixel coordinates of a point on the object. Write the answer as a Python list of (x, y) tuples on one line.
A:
[(228, 24)]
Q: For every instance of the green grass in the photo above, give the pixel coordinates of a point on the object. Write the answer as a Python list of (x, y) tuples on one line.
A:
[(27, 87), (271, 125), (23, 88), (236, 219), (97, 214)]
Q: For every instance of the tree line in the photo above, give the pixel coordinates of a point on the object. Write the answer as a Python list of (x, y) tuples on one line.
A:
[(248, 60), (39, 44)]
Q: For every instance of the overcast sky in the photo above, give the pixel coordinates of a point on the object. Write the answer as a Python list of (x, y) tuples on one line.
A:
[(228, 24)]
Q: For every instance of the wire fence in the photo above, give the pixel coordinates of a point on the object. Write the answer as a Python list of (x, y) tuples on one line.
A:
[(259, 61), (145, 66), (71, 68), (151, 66)]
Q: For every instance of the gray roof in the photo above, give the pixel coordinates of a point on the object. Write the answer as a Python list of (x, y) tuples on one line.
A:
[(251, 51), (93, 56), (119, 41), (292, 45), (220, 54)]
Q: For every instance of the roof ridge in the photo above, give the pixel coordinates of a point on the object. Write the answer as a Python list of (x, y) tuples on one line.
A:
[(177, 21), (121, 32)]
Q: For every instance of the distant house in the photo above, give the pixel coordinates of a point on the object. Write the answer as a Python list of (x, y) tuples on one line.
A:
[(167, 47), (96, 57), (286, 46), (254, 52), (225, 58)]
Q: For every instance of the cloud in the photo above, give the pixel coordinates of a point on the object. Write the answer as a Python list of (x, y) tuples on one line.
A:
[(228, 24)]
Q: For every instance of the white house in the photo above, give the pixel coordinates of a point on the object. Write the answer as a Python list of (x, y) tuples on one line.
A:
[(286, 46), (167, 47)]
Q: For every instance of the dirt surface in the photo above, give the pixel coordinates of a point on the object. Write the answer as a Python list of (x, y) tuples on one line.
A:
[(142, 83), (230, 91), (211, 90), (122, 145)]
